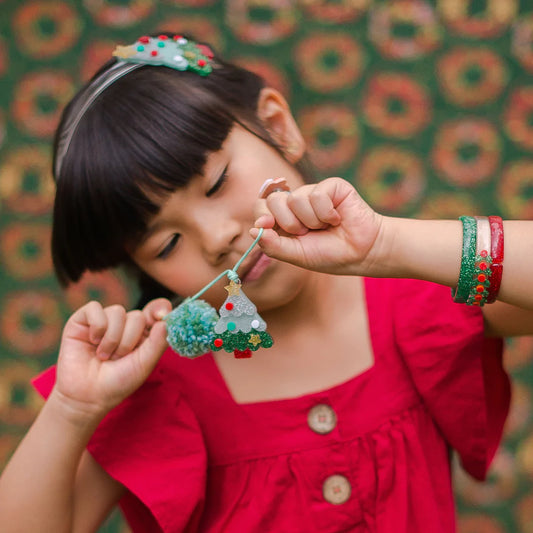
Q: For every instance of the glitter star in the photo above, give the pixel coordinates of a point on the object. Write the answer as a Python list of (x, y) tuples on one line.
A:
[(124, 51), (234, 289), (254, 339)]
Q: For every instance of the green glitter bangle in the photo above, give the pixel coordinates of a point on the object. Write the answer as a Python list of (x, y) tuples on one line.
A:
[(468, 260)]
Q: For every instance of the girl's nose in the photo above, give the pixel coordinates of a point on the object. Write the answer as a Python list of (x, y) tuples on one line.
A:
[(219, 238)]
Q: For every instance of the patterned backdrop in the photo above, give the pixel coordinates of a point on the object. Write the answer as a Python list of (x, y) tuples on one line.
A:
[(427, 107)]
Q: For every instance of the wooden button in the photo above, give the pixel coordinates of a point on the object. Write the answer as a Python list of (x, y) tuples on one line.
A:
[(336, 489), (322, 419)]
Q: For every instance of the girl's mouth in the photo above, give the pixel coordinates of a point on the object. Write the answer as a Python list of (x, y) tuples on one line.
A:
[(259, 265)]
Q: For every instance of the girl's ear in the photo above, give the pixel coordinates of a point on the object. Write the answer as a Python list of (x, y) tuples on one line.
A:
[(274, 113)]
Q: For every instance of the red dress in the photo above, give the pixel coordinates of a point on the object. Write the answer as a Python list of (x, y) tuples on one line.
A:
[(369, 455)]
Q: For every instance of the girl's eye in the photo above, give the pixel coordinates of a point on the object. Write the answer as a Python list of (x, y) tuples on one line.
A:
[(169, 247), (221, 180)]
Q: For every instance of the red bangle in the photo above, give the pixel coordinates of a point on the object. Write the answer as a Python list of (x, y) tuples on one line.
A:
[(496, 252)]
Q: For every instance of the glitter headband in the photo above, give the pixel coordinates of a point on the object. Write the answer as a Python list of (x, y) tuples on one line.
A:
[(177, 52)]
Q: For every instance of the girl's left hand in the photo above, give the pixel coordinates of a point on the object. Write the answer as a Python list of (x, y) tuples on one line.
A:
[(325, 227)]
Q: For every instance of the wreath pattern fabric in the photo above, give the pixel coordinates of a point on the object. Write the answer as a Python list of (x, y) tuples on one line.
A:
[(426, 106)]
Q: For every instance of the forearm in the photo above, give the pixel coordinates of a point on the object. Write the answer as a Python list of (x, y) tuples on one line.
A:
[(37, 486), (431, 250)]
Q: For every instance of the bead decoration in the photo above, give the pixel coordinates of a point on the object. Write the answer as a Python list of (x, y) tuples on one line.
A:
[(476, 276), (496, 251), (479, 292), (178, 53)]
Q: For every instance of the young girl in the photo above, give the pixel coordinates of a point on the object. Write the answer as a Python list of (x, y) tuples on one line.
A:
[(344, 425)]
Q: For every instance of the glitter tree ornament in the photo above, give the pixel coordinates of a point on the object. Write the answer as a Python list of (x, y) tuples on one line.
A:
[(194, 327), (240, 329)]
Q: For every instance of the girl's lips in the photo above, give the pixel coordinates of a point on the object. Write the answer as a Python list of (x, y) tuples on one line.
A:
[(259, 266)]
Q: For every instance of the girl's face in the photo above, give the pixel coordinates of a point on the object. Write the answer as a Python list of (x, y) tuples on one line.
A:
[(202, 230)]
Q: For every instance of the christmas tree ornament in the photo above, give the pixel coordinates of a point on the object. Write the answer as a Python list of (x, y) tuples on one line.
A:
[(240, 329), (177, 52), (194, 327)]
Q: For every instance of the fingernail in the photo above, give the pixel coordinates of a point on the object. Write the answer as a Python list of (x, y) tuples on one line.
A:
[(103, 355), (160, 313), (264, 186), (271, 185), (260, 221)]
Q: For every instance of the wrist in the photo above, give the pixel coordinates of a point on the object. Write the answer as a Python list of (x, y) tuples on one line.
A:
[(81, 416), (382, 260), (418, 249)]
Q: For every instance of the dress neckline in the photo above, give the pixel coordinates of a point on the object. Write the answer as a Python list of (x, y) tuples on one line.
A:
[(373, 331)]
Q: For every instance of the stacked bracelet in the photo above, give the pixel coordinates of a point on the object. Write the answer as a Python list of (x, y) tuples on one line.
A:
[(466, 274), (496, 252), (481, 261)]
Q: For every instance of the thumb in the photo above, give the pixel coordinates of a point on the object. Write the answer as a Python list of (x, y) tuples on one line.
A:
[(286, 249), (156, 310), (152, 348)]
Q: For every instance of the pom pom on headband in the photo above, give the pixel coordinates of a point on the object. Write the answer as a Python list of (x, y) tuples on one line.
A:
[(178, 53)]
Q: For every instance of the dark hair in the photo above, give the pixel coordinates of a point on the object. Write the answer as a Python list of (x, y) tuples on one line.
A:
[(145, 136)]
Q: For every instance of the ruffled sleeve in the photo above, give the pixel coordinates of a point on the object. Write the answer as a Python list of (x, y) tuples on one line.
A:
[(153, 445), (457, 371)]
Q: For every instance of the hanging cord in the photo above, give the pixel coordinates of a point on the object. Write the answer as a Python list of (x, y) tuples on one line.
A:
[(231, 273)]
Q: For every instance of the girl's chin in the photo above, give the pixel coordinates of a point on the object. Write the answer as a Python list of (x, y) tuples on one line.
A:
[(276, 291)]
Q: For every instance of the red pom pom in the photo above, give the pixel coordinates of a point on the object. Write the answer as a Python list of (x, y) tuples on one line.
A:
[(218, 342), (229, 306)]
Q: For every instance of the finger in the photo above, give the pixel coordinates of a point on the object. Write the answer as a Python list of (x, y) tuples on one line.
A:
[(279, 204), (91, 316), (284, 248), (262, 214), (116, 318), (132, 335), (323, 208), (303, 210), (155, 310)]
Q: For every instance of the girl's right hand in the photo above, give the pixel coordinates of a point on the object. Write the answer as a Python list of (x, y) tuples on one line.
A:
[(107, 353)]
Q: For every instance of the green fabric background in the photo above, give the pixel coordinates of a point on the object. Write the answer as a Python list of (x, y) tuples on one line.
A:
[(427, 107)]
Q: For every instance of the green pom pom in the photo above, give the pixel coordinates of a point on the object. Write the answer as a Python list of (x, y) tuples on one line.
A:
[(191, 328)]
